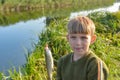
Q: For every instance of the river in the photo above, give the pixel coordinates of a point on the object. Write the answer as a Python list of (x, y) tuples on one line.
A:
[(17, 40)]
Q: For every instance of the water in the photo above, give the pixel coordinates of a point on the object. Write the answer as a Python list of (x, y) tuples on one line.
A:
[(17, 39), (115, 7)]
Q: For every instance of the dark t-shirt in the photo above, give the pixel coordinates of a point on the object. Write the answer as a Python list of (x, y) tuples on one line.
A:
[(86, 68)]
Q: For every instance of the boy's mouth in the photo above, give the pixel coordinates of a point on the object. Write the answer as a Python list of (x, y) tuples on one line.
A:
[(79, 49)]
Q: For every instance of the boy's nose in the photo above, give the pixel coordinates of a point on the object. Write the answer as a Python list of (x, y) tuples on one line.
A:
[(78, 41)]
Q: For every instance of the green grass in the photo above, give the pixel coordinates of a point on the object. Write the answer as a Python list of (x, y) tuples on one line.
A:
[(107, 47), (18, 5), (48, 1)]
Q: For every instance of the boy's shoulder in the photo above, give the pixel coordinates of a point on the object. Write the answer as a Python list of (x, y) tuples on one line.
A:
[(66, 57), (99, 61), (96, 60), (92, 57)]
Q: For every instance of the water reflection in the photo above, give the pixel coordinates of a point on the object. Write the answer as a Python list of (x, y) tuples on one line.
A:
[(114, 8), (15, 39)]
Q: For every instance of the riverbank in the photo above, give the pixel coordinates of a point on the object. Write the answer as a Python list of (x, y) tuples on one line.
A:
[(11, 14), (23, 5), (107, 47)]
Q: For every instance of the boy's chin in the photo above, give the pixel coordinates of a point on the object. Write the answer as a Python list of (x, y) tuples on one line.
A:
[(80, 52)]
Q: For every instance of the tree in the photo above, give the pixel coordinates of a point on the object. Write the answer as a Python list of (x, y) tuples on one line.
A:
[(2, 2)]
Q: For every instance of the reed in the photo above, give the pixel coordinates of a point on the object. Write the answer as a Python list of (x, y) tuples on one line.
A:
[(21, 5)]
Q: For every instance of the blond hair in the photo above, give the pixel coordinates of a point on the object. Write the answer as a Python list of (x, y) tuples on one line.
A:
[(81, 24)]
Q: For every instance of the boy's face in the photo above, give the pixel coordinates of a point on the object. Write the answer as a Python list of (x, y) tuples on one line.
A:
[(80, 42)]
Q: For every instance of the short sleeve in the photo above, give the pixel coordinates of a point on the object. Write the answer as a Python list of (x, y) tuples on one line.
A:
[(95, 69)]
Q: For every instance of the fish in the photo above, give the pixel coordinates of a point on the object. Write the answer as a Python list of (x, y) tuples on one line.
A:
[(49, 62)]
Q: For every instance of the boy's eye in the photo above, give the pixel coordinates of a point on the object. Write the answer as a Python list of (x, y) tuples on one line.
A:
[(83, 37), (73, 37)]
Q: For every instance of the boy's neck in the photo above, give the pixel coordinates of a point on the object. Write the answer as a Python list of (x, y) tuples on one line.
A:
[(77, 57)]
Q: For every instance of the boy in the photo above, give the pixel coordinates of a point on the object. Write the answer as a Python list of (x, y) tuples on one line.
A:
[(81, 64)]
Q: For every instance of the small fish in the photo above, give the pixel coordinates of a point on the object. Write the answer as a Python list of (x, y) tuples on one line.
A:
[(49, 62)]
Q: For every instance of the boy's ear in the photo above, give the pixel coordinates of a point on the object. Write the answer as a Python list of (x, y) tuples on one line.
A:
[(93, 39)]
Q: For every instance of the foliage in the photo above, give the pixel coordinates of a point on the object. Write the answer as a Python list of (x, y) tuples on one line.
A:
[(106, 22), (47, 1), (107, 45)]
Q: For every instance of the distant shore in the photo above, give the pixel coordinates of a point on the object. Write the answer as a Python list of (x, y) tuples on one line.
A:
[(11, 6)]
